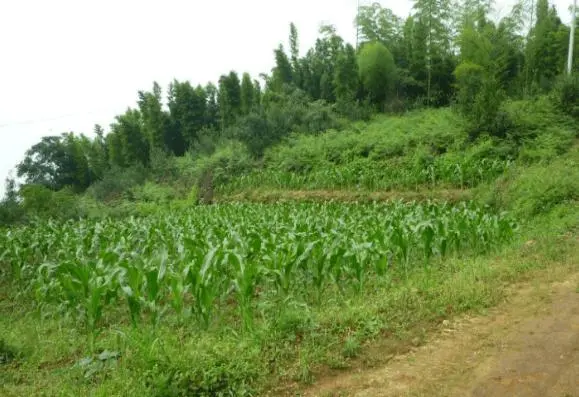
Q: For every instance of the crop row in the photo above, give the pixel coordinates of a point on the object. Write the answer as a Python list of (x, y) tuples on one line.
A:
[(374, 176), (197, 263)]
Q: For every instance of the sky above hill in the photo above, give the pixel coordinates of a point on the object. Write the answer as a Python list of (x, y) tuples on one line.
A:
[(67, 64)]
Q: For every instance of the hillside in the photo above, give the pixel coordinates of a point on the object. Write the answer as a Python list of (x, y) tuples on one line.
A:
[(422, 154), (178, 298)]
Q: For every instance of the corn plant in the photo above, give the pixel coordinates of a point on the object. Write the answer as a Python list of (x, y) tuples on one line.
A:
[(213, 259)]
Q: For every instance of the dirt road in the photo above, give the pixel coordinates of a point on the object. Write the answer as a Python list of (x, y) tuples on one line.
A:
[(526, 347)]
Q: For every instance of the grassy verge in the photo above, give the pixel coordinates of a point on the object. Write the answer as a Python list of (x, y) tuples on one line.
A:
[(48, 356)]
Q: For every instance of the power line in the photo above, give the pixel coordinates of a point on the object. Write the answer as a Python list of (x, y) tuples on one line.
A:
[(36, 121)]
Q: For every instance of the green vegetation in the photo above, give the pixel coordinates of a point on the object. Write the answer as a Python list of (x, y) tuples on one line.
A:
[(188, 264), (425, 171)]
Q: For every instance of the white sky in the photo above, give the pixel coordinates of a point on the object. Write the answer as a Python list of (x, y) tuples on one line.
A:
[(68, 64)]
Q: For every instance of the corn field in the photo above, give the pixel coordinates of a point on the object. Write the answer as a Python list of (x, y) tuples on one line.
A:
[(198, 264), (374, 176)]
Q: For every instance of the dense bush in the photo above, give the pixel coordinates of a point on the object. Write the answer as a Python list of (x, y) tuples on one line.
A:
[(116, 181), (287, 112), (39, 201), (566, 95), (536, 189), (152, 193)]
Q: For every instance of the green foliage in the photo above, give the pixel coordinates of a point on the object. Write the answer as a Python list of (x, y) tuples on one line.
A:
[(227, 162), (537, 189), (377, 71), (229, 97), (10, 213), (153, 193), (40, 202), (7, 353), (566, 95), (116, 181), (285, 113), (130, 146), (213, 368), (155, 121), (151, 265), (282, 73), (424, 147), (469, 78), (248, 94), (486, 115), (58, 161), (188, 109)]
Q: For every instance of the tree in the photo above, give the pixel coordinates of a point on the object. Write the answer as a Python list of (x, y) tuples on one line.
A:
[(229, 98), (187, 110), (155, 121), (346, 76), (545, 59), (212, 109), (247, 94), (97, 152), (56, 162), (282, 72), (380, 24), (434, 16), (134, 145), (257, 92), (295, 54), (377, 71)]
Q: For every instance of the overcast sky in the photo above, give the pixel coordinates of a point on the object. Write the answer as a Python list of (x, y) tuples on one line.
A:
[(66, 65)]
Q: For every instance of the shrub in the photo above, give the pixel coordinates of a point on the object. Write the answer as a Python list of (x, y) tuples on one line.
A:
[(39, 201), (469, 77), (116, 181), (162, 166), (36, 199), (566, 95), (153, 193), (224, 368), (537, 189), (10, 212), (228, 161)]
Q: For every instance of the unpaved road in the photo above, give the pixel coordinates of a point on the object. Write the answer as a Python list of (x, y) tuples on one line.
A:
[(526, 347)]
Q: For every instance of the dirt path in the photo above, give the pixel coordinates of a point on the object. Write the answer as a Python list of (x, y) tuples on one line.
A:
[(526, 347)]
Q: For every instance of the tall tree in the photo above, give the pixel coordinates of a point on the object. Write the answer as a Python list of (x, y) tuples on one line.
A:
[(229, 98), (377, 71), (434, 15), (282, 72), (212, 109), (377, 23), (257, 92), (134, 145), (155, 120), (295, 54), (247, 94), (544, 59), (187, 107), (346, 78)]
